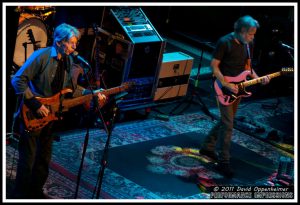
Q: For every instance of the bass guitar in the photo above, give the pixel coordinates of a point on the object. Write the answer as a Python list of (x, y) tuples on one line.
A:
[(57, 104), (226, 97)]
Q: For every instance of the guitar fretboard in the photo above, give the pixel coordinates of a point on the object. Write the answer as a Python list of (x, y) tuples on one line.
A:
[(68, 103), (260, 79)]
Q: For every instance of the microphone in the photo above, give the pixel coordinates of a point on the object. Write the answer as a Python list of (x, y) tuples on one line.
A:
[(78, 57), (285, 45)]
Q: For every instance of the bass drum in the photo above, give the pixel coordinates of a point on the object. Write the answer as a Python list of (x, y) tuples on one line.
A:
[(32, 35)]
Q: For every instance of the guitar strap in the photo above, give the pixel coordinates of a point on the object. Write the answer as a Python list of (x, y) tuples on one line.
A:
[(248, 63)]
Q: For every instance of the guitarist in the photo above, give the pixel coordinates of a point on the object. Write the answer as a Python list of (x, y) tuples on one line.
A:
[(230, 58), (46, 72)]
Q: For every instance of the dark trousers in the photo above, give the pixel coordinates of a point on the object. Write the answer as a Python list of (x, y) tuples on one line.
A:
[(35, 150), (220, 135)]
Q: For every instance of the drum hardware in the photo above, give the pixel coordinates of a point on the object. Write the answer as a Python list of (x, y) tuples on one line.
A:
[(46, 15), (40, 11)]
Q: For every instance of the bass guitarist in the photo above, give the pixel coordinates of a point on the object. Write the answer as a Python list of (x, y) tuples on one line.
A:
[(45, 73), (230, 58)]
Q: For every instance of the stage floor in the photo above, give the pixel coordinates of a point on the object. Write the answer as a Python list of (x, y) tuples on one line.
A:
[(159, 159)]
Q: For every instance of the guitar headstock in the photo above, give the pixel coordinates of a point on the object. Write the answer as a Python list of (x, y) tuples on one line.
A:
[(287, 70)]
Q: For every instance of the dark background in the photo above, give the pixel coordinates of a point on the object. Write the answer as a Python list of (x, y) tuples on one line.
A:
[(189, 23), (199, 25)]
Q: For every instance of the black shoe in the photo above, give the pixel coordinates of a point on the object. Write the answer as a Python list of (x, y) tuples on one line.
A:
[(225, 169), (210, 154)]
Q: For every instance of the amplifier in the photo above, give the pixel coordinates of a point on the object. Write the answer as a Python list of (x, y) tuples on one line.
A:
[(140, 59), (174, 74), (134, 25)]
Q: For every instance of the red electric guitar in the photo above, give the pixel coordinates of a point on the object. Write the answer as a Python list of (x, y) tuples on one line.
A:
[(226, 97)]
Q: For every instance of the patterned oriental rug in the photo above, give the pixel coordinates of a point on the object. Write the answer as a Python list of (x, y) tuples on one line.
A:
[(153, 159)]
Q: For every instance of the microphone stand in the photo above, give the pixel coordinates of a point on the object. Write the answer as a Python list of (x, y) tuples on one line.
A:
[(195, 94), (95, 102), (104, 160)]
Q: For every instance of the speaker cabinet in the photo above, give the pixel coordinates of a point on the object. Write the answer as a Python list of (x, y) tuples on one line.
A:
[(112, 58), (174, 76)]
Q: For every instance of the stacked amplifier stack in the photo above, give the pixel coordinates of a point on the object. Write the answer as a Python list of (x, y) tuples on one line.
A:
[(130, 50)]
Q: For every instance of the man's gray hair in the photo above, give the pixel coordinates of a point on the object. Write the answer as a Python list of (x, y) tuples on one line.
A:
[(245, 22), (64, 32)]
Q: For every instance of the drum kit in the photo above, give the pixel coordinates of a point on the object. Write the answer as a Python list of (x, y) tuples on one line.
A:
[(33, 31)]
